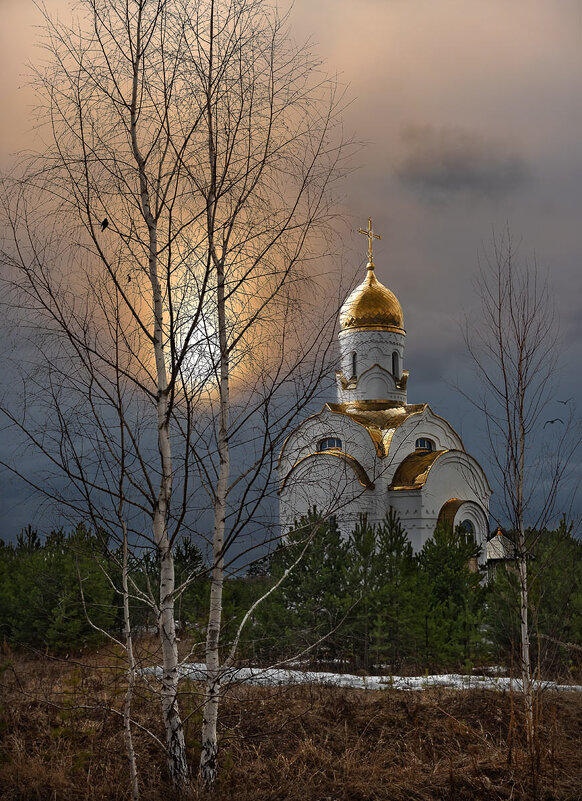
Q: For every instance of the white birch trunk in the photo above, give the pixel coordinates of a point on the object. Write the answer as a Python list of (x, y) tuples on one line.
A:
[(526, 675), (131, 758), (175, 743), (209, 754)]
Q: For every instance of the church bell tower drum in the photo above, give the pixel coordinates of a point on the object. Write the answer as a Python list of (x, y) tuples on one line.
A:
[(371, 341)]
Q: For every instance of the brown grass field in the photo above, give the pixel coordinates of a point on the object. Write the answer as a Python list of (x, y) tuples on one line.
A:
[(61, 739)]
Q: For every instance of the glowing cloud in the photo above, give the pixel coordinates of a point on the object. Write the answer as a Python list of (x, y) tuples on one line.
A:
[(447, 162)]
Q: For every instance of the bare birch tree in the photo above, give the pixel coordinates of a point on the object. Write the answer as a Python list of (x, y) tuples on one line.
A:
[(513, 345), (156, 250)]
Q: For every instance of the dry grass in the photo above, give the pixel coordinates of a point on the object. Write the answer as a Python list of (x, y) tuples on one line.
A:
[(61, 739)]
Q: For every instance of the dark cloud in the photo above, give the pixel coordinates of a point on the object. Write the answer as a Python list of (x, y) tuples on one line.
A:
[(450, 162)]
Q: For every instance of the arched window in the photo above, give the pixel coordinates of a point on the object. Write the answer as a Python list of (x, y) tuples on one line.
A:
[(330, 444), (396, 364), (468, 527), (354, 364), (424, 444)]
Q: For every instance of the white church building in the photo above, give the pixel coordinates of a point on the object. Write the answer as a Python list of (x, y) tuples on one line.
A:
[(371, 449)]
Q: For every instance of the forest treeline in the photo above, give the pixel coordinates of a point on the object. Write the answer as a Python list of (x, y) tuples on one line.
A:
[(365, 602)]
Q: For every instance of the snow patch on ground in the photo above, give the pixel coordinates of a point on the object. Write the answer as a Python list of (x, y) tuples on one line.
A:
[(276, 677)]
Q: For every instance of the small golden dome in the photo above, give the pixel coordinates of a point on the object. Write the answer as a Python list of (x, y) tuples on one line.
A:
[(371, 305)]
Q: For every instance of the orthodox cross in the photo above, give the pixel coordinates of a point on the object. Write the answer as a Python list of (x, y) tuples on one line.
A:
[(371, 236)]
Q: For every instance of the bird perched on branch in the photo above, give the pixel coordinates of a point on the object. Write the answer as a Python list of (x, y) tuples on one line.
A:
[(104, 223), (555, 420)]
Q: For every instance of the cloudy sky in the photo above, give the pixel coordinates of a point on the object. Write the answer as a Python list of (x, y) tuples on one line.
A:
[(471, 111)]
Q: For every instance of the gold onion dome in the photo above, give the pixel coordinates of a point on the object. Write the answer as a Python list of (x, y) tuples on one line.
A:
[(371, 305)]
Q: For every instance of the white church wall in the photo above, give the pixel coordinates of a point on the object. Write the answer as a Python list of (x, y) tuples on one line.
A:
[(306, 438), (383, 475), (458, 469), (370, 347), (374, 384), (332, 486), (457, 475), (408, 505), (454, 475), (426, 425), (474, 514), (373, 351), (324, 480), (404, 439)]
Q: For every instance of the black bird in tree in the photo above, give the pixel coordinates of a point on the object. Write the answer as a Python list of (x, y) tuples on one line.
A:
[(104, 224), (555, 420)]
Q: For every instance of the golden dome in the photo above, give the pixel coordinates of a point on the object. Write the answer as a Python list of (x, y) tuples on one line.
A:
[(371, 305)]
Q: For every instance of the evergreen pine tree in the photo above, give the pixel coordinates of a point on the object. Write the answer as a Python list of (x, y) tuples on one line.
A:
[(311, 602), (361, 567), (52, 592), (398, 624), (453, 600)]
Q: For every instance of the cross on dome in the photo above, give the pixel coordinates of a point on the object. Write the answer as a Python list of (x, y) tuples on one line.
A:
[(371, 236)]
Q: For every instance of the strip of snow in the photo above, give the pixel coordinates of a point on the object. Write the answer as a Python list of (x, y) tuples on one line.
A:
[(273, 677)]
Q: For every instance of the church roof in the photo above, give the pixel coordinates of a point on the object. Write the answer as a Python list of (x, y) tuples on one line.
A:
[(413, 471), (500, 547), (373, 306), (380, 420)]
